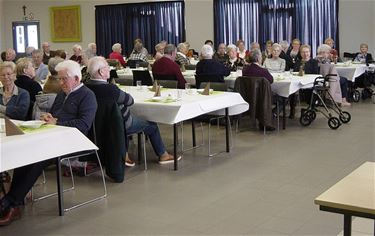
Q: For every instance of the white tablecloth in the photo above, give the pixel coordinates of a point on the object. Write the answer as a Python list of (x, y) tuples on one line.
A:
[(285, 84), (189, 107), (21, 150), (350, 71)]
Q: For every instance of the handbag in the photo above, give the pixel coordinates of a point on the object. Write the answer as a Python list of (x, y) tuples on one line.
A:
[(43, 104)]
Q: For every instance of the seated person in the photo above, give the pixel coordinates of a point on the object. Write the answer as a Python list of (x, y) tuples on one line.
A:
[(267, 53), (288, 60), (294, 51), (254, 68), (99, 71), (181, 56), (75, 107), (242, 52), (91, 50), (14, 101), (275, 64), (324, 57), (52, 84), (138, 54), (220, 54), (10, 55), (208, 66), (166, 66), (77, 54), (159, 48), (363, 56), (41, 69), (334, 54), (116, 54), (234, 63)]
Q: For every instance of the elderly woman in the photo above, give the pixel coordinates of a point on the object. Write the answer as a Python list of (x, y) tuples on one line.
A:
[(14, 101), (181, 56), (77, 54), (294, 51), (25, 78), (254, 68), (334, 54), (210, 67), (52, 84), (324, 57), (363, 56), (275, 64), (267, 53), (138, 54), (234, 62), (41, 69), (241, 52), (90, 51), (159, 51), (116, 54)]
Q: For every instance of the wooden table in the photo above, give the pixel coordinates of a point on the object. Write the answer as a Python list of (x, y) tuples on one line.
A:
[(354, 195)]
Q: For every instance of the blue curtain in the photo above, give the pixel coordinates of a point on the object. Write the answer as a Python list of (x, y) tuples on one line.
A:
[(311, 21), (152, 22)]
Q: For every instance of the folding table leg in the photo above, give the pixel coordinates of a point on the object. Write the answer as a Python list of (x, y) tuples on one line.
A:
[(347, 225), (59, 187), (284, 115), (227, 129), (175, 146)]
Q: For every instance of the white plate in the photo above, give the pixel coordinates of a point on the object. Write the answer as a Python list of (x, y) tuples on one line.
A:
[(32, 124), (156, 99)]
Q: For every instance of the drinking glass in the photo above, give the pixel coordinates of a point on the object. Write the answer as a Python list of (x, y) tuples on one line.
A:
[(139, 85)]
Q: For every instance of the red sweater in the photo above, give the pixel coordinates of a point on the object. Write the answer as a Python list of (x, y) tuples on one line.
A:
[(165, 66), (118, 56)]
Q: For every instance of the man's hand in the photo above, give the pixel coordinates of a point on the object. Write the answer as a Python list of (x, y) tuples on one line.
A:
[(48, 118)]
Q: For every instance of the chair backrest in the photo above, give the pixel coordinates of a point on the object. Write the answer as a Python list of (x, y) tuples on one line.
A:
[(208, 78), (349, 55), (143, 76), (190, 67), (124, 81), (215, 86), (257, 92), (168, 83), (133, 63), (113, 62), (164, 77)]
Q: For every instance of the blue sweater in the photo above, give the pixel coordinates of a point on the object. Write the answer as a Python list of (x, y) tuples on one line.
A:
[(17, 106), (77, 110)]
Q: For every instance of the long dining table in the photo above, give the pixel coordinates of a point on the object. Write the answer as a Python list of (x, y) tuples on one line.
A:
[(36, 145), (351, 70), (171, 110)]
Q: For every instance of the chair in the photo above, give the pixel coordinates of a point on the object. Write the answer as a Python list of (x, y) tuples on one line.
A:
[(190, 67), (168, 83), (164, 77), (208, 78), (143, 76), (124, 81), (133, 63), (215, 86), (349, 55), (257, 92)]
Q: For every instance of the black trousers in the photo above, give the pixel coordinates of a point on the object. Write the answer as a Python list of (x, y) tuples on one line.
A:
[(24, 179)]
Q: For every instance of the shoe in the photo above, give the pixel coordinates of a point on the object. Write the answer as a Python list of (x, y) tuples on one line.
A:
[(169, 160), (14, 213), (129, 163)]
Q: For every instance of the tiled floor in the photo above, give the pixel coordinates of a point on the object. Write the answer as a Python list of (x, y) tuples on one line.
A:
[(265, 186)]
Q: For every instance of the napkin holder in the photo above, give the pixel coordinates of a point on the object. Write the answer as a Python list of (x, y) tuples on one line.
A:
[(157, 91), (11, 128), (206, 90)]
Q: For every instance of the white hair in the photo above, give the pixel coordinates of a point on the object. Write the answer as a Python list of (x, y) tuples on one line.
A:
[(116, 47), (76, 46), (284, 44), (72, 68), (276, 45), (207, 51), (95, 64), (324, 48), (231, 47), (91, 45), (181, 46)]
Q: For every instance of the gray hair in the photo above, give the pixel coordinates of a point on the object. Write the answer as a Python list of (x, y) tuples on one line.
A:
[(207, 51), (95, 64), (72, 68), (52, 63), (255, 55), (30, 50), (169, 49), (8, 64), (276, 45), (91, 45), (76, 47), (38, 52), (324, 48), (284, 44), (181, 46), (116, 47), (231, 47)]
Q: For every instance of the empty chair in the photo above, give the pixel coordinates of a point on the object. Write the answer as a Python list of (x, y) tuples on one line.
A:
[(168, 83), (143, 76), (208, 78), (134, 63), (164, 77)]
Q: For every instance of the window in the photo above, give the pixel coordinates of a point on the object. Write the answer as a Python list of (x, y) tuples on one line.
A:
[(25, 34)]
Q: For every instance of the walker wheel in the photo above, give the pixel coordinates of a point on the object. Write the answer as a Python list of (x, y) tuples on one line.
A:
[(305, 119), (345, 117), (334, 122), (356, 96)]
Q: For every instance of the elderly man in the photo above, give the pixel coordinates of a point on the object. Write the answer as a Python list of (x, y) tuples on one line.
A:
[(210, 67), (116, 54), (138, 54), (221, 55), (74, 107), (10, 55), (99, 71), (41, 69), (181, 56), (47, 53), (166, 66)]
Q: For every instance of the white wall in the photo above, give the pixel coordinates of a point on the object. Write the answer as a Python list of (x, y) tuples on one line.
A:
[(357, 24), (356, 21)]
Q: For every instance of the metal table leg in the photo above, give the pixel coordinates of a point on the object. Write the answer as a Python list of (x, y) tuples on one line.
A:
[(175, 146), (347, 225), (59, 187), (227, 129), (284, 113)]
